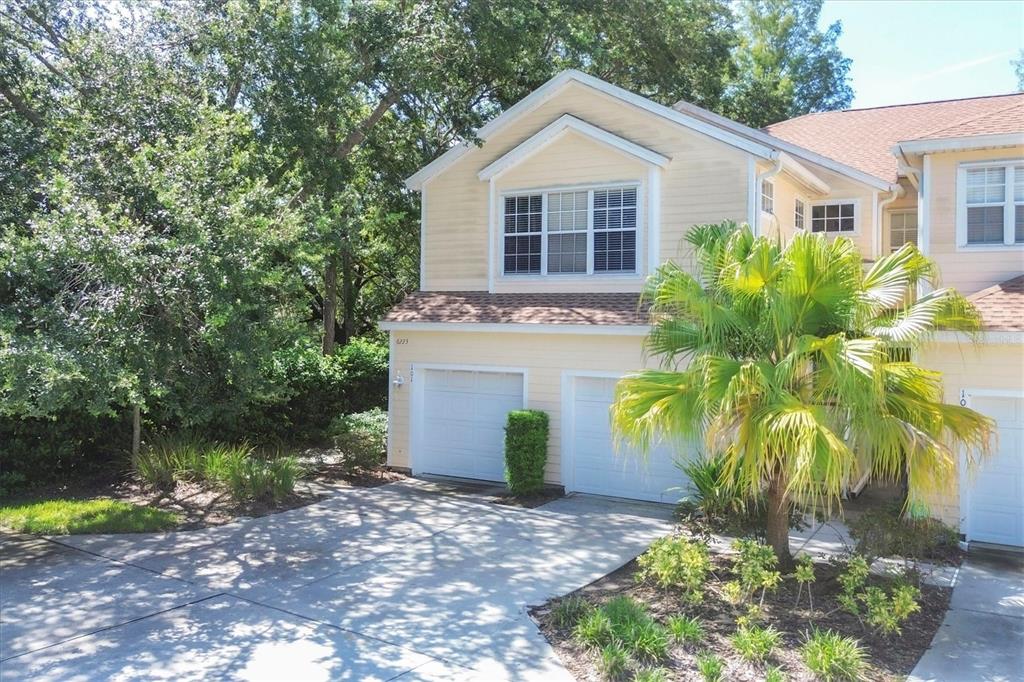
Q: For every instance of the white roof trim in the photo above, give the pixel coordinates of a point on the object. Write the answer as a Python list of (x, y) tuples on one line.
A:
[(803, 175), (779, 143), (954, 144), (520, 328), (551, 88), (557, 129)]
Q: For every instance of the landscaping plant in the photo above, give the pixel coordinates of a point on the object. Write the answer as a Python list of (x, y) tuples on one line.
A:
[(755, 565), (526, 451), (625, 622), (613, 661), (831, 656), (710, 666), (887, 532), (567, 612), (755, 644), (685, 630), (678, 563), (790, 375), (362, 439), (804, 575)]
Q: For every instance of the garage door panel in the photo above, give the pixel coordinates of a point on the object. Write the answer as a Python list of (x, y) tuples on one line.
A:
[(463, 422), (599, 467), (995, 491)]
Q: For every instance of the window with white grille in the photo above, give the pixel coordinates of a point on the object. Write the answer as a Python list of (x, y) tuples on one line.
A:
[(767, 196), (583, 231), (990, 209), (834, 218), (798, 215), (902, 229)]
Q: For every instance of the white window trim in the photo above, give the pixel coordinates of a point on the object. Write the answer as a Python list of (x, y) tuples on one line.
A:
[(771, 199), (888, 219), (809, 219), (1008, 206), (642, 207), (799, 199)]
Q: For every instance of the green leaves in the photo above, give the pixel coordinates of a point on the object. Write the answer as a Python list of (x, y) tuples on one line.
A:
[(792, 366)]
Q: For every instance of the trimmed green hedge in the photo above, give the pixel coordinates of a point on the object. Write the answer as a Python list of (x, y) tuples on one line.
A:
[(526, 450)]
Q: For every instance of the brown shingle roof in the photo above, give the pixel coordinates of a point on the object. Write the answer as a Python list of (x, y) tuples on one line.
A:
[(863, 138), (482, 307), (1002, 306)]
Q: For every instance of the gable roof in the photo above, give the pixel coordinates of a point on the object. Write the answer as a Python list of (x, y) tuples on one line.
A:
[(864, 138), (1001, 306), (554, 131), (551, 88)]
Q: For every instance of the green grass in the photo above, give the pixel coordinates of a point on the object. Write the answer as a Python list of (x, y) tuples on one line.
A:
[(75, 517)]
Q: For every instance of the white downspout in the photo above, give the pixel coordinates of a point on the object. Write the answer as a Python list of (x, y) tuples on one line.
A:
[(897, 192), (776, 168)]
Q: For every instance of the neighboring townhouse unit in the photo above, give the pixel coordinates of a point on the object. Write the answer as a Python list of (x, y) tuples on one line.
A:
[(536, 243)]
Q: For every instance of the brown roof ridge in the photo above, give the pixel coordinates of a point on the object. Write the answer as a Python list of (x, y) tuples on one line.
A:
[(971, 119)]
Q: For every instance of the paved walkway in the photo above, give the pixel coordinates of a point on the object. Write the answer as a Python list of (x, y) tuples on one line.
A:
[(982, 637), (396, 582)]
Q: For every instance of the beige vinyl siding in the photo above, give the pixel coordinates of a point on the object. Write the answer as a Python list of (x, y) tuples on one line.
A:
[(963, 268), (706, 181), (545, 356), (970, 367)]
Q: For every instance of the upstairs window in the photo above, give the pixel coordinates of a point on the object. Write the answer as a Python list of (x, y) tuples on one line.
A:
[(523, 230), (767, 196), (834, 218), (991, 210), (902, 229), (571, 232), (798, 215)]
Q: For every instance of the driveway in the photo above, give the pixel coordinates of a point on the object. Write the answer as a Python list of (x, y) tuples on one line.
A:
[(396, 582), (982, 635)]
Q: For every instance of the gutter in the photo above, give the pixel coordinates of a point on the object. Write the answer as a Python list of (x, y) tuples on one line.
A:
[(897, 192), (776, 168)]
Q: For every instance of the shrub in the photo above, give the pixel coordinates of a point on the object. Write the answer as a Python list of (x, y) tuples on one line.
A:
[(886, 613), (567, 612), (885, 532), (831, 656), (594, 629), (221, 459), (677, 562), (804, 574), (155, 467), (710, 667), (526, 450), (755, 643), (625, 622), (651, 675), (613, 662), (685, 629), (362, 439), (775, 675), (755, 566), (263, 480)]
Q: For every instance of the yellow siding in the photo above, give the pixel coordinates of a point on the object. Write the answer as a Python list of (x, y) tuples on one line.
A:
[(969, 367), (966, 269), (705, 182), (545, 356)]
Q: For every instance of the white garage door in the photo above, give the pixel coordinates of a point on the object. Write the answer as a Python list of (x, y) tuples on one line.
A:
[(598, 468), (462, 421), (995, 504)]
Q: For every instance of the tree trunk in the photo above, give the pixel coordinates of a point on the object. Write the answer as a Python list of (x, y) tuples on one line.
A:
[(348, 296), (330, 303), (136, 430), (777, 526)]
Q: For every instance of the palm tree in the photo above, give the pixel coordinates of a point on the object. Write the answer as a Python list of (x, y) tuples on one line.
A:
[(794, 365)]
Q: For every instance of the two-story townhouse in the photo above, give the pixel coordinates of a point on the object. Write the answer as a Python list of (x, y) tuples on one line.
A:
[(536, 243)]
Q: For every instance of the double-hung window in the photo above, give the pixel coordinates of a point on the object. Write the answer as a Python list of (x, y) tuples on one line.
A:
[(834, 217), (902, 229), (767, 196), (991, 210), (798, 214), (583, 231)]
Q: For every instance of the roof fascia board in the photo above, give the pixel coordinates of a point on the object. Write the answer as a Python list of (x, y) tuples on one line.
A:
[(555, 130), (779, 143), (803, 174), (520, 328), (545, 92), (954, 144)]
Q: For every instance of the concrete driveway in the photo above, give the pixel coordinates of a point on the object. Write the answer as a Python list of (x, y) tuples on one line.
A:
[(981, 638), (396, 582)]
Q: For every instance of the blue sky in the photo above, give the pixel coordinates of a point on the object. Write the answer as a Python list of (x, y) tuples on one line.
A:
[(967, 52)]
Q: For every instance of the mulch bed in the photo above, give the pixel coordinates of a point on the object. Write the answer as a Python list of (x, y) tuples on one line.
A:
[(530, 501), (890, 657), (198, 505)]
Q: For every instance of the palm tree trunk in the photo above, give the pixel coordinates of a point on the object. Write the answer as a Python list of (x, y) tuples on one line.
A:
[(777, 522)]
